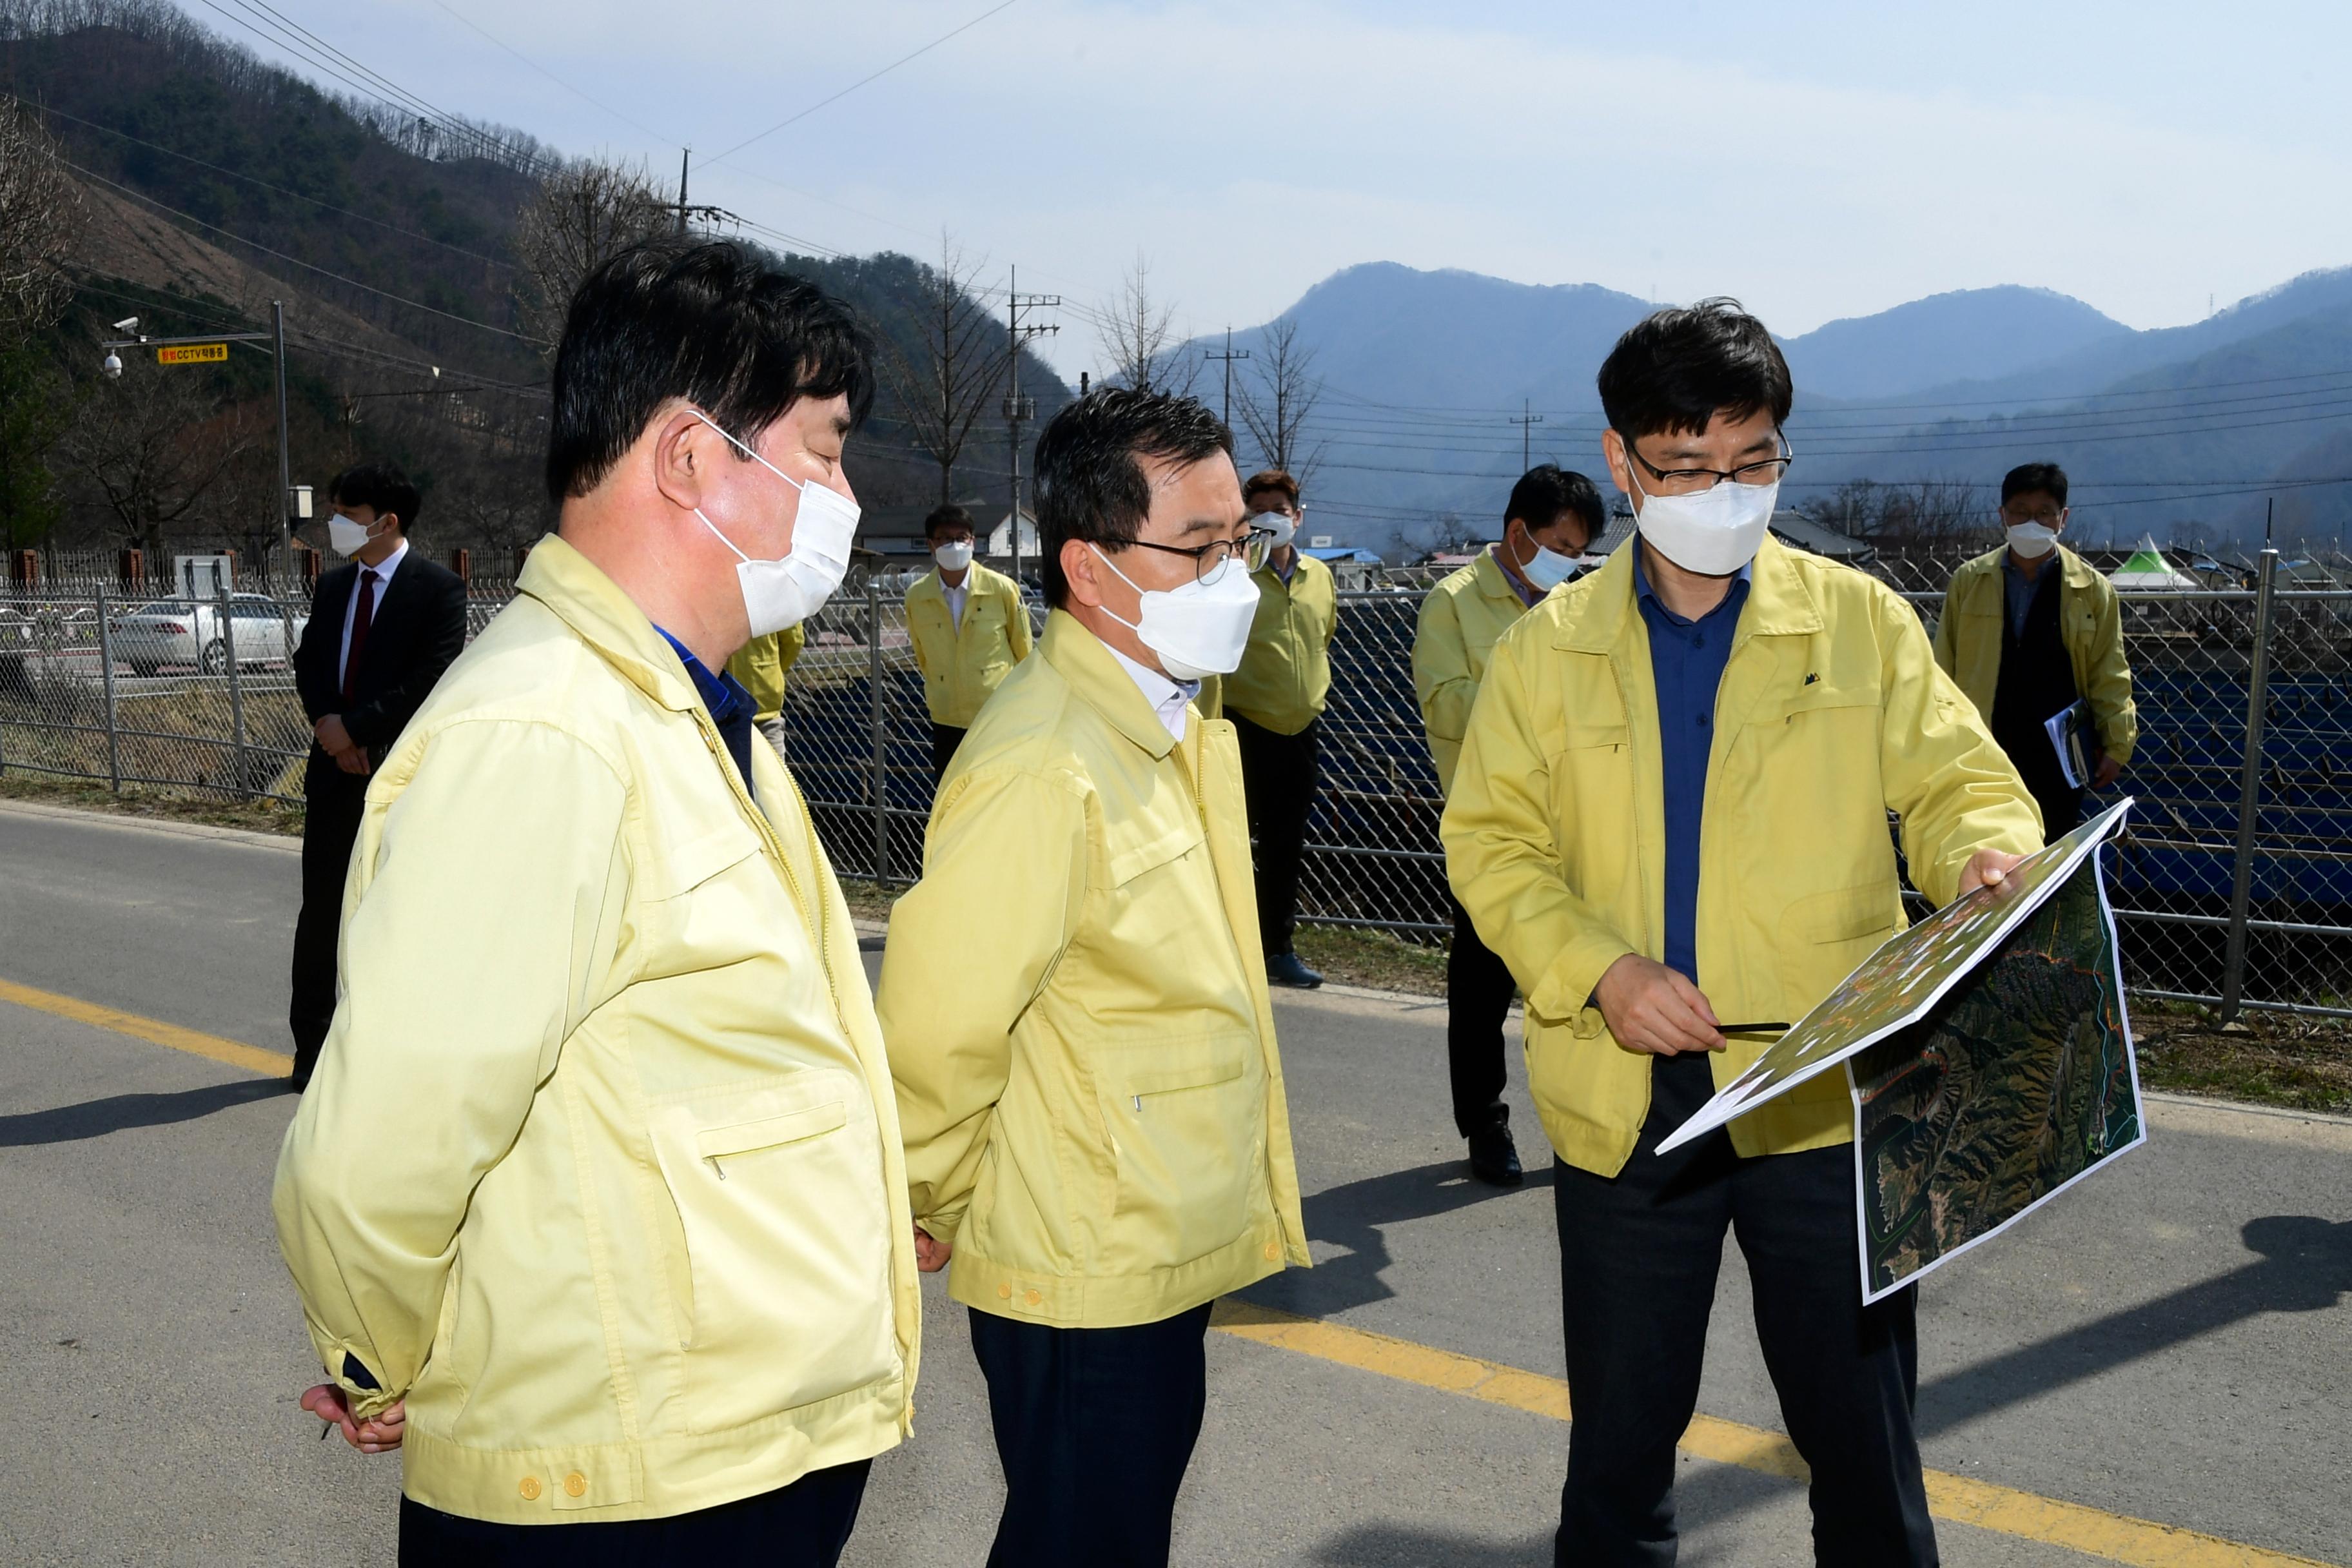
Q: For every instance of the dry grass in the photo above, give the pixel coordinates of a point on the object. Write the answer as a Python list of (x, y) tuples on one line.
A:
[(137, 800)]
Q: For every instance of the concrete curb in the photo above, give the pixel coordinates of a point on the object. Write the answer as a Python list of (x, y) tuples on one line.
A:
[(284, 843)]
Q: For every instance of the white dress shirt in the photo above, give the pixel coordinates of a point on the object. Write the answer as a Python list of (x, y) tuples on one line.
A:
[(956, 597), (384, 571), (1172, 699)]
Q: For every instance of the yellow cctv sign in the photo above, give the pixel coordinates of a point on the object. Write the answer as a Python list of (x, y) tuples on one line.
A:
[(191, 353)]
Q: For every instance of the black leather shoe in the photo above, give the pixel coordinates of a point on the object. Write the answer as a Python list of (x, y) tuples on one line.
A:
[(1284, 969), (1495, 1159)]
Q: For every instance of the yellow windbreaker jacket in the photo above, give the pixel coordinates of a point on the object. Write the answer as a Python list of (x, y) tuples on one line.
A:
[(601, 1167), (1076, 1005), (1286, 672), (1461, 621), (1832, 713), (762, 664), (2090, 623), (963, 665)]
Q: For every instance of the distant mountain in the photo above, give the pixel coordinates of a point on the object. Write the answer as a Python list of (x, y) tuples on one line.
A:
[(1971, 335)]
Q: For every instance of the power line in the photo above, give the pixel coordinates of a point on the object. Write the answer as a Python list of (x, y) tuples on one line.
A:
[(550, 76), (853, 86), (280, 190), (296, 261)]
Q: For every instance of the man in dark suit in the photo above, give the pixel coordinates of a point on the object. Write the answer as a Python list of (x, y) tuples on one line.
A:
[(381, 630)]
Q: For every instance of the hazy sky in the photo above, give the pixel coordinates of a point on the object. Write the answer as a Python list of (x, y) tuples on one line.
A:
[(1817, 160)]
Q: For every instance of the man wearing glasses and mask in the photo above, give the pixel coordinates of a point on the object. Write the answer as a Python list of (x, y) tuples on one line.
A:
[(1094, 1114), (1670, 819), (1551, 518)]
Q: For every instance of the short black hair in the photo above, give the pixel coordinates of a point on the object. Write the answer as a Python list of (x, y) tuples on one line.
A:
[(1090, 482), (2026, 478), (1675, 370), (716, 323), (948, 515), (1547, 491), (381, 487)]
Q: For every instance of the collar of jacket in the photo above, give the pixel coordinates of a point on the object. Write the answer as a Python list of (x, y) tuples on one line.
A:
[(1081, 659), (2073, 571), (606, 619), (1495, 583), (1779, 603)]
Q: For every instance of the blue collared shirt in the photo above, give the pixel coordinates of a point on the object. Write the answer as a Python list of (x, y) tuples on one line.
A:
[(1686, 660), (730, 707), (2017, 589)]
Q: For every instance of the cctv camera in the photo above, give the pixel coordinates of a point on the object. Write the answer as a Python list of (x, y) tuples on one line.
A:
[(128, 325), (112, 365)]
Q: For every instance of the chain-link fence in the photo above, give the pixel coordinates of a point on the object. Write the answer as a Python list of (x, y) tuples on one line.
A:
[(2232, 885)]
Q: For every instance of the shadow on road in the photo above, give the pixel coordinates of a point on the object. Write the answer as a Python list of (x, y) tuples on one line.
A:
[(1351, 1215), (2305, 1266), (1399, 1546), (119, 1112)]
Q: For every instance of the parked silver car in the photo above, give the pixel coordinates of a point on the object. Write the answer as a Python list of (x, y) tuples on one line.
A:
[(176, 632)]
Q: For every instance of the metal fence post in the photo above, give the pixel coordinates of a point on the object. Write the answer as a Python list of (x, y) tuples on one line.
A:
[(879, 702), (235, 689), (2249, 789), (106, 671)]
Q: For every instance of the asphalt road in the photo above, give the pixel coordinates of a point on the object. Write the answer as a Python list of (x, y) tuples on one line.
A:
[(2170, 1341)]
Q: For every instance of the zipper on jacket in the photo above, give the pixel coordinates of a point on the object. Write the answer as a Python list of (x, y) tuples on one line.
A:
[(817, 928)]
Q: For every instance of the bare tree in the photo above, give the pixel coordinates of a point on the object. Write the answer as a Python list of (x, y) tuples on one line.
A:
[(1276, 408), (949, 383), (155, 450), (41, 219), (1138, 333), (1447, 533), (584, 216), (1931, 517)]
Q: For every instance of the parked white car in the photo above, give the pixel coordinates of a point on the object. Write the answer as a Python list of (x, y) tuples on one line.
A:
[(176, 632)]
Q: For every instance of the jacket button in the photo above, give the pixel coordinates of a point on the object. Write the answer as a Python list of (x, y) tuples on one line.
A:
[(530, 1489), (1004, 1292), (574, 1484), (1273, 1251), (1032, 1298)]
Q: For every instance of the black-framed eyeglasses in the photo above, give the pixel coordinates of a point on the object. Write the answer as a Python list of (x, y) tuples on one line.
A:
[(1691, 481), (1251, 550)]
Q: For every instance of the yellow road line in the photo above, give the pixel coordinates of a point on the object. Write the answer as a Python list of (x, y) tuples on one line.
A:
[(1961, 1499), (154, 1031)]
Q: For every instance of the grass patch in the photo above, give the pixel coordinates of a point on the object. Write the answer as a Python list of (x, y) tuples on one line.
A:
[(144, 800), (2278, 1058), (1377, 958)]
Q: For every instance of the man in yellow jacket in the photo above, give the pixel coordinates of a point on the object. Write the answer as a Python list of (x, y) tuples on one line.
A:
[(1670, 819), (2029, 630), (760, 666), (1093, 1106), (968, 628), (1276, 702), (597, 1204), (1551, 518)]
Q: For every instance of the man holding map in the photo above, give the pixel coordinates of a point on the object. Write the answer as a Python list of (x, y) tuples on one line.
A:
[(1669, 818)]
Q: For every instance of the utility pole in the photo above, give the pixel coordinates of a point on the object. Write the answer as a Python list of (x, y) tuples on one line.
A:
[(1526, 419), (1227, 358), (1017, 408), (285, 466), (684, 157)]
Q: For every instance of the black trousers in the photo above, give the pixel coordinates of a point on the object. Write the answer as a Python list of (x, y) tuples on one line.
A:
[(1094, 1428), (1478, 992), (1278, 777), (944, 741), (332, 801), (803, 1525), (1638, 1256)]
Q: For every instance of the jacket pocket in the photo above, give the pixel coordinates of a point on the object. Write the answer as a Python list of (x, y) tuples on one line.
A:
[(779, 1191), (1187, 1125)]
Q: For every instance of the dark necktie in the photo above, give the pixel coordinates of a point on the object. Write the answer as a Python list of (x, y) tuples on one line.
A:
[(360, 619)]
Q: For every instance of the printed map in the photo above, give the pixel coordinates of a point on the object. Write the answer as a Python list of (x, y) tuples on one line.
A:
[(2019, 1083)]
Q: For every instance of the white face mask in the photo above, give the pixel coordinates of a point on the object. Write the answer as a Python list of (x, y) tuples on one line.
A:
[(2031, 539), (347, 537), (1714, 532), (781, 593), (1549, 569), (1281, 525), (1200, 629), (953, 557)]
